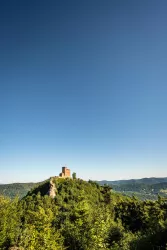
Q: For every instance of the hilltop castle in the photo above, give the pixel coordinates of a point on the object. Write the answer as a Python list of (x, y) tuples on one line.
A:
[(65, 173), (52, 188)]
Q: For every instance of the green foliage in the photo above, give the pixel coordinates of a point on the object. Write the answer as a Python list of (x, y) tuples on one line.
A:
[(82, 216), (10, 223), (74, 176)]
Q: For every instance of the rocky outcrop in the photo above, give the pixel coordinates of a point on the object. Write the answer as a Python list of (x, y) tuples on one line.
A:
[(52, 188)]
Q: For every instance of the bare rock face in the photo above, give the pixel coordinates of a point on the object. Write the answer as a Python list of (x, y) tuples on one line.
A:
[(52, 189)]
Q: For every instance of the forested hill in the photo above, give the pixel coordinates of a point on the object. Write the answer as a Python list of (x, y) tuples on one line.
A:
[(143, 188), (146, 188), (16, 189), (82, 216), (146, 181)]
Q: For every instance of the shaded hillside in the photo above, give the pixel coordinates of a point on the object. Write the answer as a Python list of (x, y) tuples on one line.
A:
[(41, 187)]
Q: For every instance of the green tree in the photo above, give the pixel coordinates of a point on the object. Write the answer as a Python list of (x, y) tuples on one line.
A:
[(10, 223), (74, 176)]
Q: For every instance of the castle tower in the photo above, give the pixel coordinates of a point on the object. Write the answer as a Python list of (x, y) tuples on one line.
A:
[(65, 172)]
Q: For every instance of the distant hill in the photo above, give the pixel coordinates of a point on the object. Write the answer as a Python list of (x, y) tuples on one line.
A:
[(146, 188), (152, 180), (16, 189)]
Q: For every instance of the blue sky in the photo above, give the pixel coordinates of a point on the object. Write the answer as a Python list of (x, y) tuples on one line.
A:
[(83, 83)]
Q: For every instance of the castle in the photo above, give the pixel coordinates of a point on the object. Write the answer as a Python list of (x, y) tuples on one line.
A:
[(65, 173), (52, 188)]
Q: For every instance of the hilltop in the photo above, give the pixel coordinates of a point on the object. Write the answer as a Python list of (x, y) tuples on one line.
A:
[(146, 188)]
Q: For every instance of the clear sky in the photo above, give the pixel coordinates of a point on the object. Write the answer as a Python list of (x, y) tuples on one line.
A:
[(83, 83)]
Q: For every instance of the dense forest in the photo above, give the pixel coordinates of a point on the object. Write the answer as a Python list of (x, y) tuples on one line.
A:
[(82, 216)]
